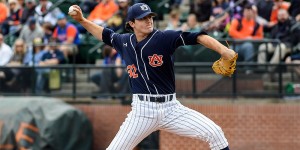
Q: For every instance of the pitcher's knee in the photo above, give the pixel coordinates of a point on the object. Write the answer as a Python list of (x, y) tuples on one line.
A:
[(218, 140)]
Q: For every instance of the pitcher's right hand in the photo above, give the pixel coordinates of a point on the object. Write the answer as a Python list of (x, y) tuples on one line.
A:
[(78, 16)]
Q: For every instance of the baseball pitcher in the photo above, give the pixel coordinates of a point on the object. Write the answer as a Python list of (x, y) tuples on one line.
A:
[(150, 66)]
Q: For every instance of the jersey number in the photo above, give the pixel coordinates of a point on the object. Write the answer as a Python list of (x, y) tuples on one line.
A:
[(131, 69)]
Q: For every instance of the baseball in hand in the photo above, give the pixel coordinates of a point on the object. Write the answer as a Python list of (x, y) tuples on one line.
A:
[(72, 11)]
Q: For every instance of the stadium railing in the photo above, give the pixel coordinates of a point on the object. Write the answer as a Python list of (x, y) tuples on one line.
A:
[(193, 79)]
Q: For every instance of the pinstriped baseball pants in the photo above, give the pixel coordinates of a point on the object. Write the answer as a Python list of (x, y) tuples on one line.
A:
[(171, 116)]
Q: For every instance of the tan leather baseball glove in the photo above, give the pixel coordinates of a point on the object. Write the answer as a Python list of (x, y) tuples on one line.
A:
[(225, 67)]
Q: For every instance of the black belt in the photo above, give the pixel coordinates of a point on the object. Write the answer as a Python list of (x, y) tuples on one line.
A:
[(156, 99)]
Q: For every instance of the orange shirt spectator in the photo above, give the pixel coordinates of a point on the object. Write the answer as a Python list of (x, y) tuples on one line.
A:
[(103, 11), (279, 4), (69, 32), (246, 31), (65, 32), (3, 12)]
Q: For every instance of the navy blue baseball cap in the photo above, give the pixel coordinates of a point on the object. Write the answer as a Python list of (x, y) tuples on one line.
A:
[(139, 11)]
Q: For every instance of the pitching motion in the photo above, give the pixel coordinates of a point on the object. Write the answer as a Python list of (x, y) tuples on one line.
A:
[(148, 54)]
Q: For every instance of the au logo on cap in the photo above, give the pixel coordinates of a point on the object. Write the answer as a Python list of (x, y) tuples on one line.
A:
[(144, 7)]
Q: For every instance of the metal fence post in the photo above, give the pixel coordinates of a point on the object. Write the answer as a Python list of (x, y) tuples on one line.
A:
[(280, 71), (234, 79), (234, 82), (194, 81), (74, 75), (32, 70), (280, 80)]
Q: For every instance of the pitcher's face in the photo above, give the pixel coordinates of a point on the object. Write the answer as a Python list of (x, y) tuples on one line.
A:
[(144, 25)]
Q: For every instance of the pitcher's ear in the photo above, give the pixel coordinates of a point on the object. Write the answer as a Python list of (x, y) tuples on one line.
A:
[(128, 26)]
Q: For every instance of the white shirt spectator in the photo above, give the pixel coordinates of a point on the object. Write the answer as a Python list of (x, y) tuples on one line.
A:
[(50, 17), (5, 54)]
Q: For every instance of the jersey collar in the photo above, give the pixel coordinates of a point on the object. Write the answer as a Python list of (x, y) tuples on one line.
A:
[(134, 40)]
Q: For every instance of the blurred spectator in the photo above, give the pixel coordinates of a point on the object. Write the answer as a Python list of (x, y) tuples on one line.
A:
[(46, 13), (103, 11), (13, 22), (52, 57), (260, 20), (111, 80), (191, 25), (281, 31), (294, 59), (264, 9), (67, 34), (218, 10), (28, 11), (12, 79), (5, 52), (5, 55), (294, 9), (19, 49), (278, 4), (202, 9), (34, 56), (295, 56), (88, 5), (3, 11), (30, 31), (123, 7), (175, 3), (48, 32), (298, 18), (117, 22), (174, 22), (246, 28), (236, 10), (21, 3)]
